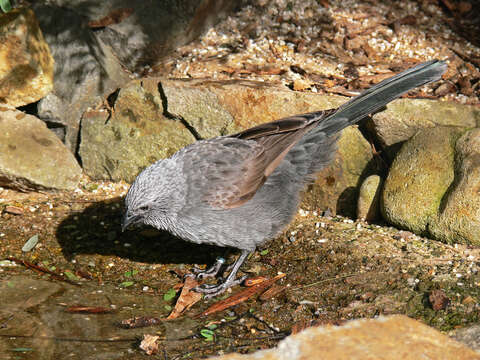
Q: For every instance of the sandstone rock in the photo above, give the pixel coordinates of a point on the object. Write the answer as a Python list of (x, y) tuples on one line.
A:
[(136, 135), (26, 65), (86, 70), (393, 337), (459, 213), (336, 186), (469, 336), (32, 157), (368, 198), (432, 186), (139, 133), (404, 117), (419, 178), (99, 46)]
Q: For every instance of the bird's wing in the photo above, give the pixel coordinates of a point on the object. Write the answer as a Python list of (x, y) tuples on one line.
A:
[(231, 169)]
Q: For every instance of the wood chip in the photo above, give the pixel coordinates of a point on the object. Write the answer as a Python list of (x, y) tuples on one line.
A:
[(14, 210)]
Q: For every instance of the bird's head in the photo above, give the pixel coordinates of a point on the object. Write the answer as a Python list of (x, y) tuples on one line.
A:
[(155, 196)]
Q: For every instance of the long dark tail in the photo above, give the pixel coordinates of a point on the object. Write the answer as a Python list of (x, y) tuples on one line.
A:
[(375, 98), (317, 147)]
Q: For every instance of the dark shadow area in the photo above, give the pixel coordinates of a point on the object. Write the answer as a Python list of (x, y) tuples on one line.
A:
[(97, 230)]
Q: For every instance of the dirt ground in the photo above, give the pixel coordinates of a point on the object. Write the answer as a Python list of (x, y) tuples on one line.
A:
[(336, 269)]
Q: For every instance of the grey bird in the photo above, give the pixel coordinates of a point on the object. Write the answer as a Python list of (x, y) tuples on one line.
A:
[(241, 190)]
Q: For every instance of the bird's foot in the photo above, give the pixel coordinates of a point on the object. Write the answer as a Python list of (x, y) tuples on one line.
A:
[(213, 290), (212, 271)]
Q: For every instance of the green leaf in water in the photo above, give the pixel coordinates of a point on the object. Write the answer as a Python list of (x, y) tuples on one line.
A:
[(264, 252), (127, 283), (70, 275), (169, 295), (131, 273), (207, 334)]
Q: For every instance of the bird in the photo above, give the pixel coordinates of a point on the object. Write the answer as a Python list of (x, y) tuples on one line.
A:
[(241, 190)]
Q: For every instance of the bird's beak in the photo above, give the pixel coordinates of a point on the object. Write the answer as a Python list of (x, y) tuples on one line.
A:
[(129, 220)]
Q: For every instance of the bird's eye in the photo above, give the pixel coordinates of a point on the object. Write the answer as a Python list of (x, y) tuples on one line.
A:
[(143, 208)]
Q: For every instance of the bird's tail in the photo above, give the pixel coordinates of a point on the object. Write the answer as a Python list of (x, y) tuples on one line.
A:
[(375, 98)]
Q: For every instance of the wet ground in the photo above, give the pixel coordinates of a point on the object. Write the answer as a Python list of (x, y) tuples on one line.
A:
[(336, 269)]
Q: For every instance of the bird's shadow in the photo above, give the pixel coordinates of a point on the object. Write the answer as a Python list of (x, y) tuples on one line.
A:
[(97, 230)]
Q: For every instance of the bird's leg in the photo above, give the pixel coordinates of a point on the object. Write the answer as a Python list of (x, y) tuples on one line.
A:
[(211, 271), (214, 290)]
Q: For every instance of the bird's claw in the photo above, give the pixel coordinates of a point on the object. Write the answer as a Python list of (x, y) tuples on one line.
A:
[(212, 271), (210, 290)]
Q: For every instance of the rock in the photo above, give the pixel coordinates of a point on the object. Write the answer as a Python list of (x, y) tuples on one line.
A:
[(207, 109), (459, 213), (135, 136), (86, 70), (26, 65), (32, 157), (336, 186), (432, 186), (99, 46), (368, 198), (419, 178), (469, 336), (392, 337), (404, 117)]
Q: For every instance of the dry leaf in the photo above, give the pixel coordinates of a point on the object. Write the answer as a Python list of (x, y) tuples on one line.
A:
[(187, 298), (149, 344)]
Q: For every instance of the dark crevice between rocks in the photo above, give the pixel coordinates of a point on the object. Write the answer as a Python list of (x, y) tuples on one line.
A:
[(111, 100), (77, 146), (171, 116), (380, 156)]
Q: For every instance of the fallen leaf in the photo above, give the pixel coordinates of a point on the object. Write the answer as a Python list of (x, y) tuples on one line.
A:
[(149, 344), (240, 296), (187, 298)]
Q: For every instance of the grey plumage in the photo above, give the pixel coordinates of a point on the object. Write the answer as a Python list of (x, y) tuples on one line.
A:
[(241, 190)]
